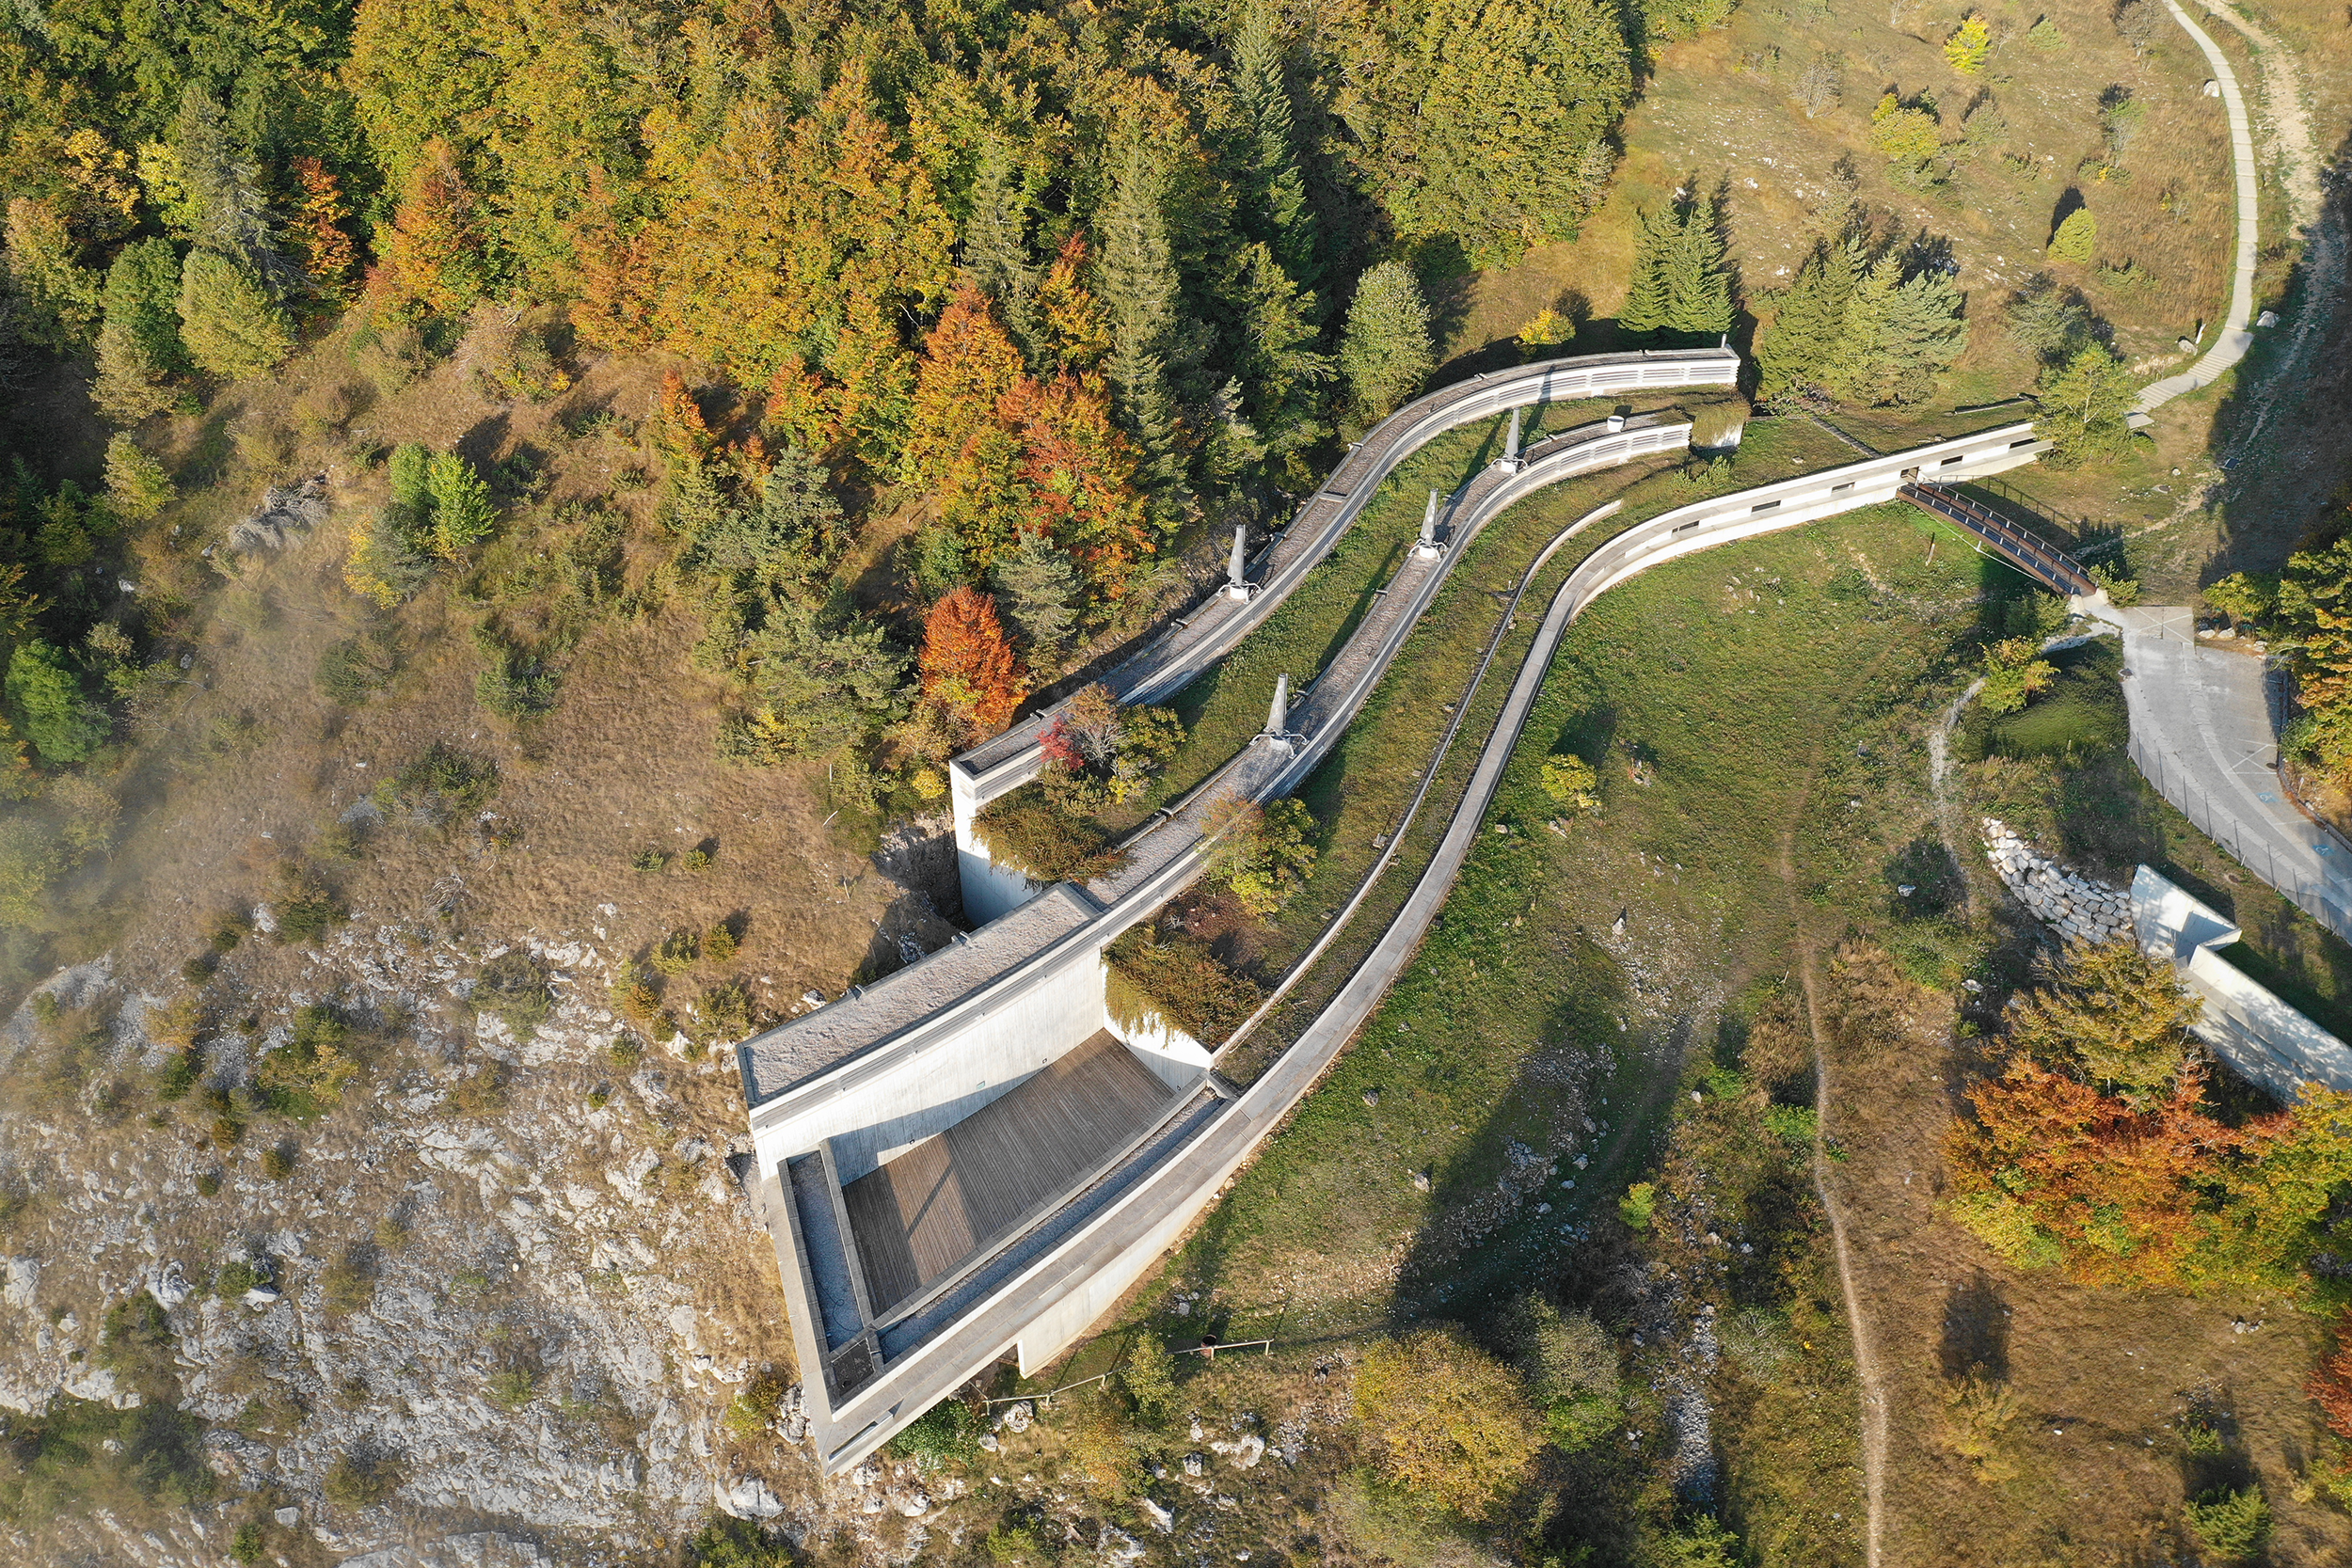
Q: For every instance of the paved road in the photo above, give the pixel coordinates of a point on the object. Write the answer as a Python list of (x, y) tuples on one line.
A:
[(2230, 344), (2201, 733)]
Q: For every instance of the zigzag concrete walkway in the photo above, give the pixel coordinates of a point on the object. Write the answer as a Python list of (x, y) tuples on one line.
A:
[(2231, 344)]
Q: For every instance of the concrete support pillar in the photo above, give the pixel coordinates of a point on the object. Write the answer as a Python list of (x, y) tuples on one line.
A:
[(1277, 718), (1427, 548), (1509, 461), (1237, 568)]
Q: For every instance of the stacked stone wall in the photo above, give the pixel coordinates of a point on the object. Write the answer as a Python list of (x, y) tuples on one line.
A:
[(2075, 905)]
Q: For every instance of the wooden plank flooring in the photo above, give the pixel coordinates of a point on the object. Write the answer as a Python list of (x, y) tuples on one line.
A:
[(927, 1210)]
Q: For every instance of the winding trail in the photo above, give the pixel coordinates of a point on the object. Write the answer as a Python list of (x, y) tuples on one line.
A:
[(2230, 343)]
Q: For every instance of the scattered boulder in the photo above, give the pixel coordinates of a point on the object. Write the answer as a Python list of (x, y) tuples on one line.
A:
[(745, 1497), (1017, 1419), (282, 516)]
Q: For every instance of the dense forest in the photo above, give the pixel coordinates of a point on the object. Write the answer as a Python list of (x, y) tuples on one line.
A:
[(1092, 280)]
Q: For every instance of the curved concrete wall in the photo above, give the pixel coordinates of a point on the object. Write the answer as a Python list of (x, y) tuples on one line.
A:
[(1039, 1310), (1184, 651)]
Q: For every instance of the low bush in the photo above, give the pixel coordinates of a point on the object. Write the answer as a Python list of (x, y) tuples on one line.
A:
[(137, 1344), (736, 1543), (948, 1431), (363, 1477), (356, 668), (1446, 1421), (480, 1094), (2232, 1525), (678, 953), (513, 989), (310, 1071), (277, 1161), (512, 1389), (1025, 832), (1167, 976), (348, 1283), (442, 781)]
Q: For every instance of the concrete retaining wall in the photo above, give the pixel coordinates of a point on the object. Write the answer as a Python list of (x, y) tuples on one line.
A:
[(1178, 655), (1052, 1301)]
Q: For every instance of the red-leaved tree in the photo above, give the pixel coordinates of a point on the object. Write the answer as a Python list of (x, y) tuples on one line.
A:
[(968, 664)]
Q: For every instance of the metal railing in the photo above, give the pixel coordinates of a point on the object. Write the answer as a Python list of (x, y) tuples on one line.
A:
[(2219, 823), (2045, 563)]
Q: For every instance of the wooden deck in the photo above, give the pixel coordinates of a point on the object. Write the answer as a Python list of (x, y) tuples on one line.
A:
[(933, 1205)]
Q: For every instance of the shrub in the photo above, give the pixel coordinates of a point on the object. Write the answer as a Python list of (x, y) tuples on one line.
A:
[(45, 698), (277, 1161), (749, 1413), (1549, 328), (1909, 137), (1262, 852), (512, 1389), (676, 953), (2076, 238), (720, 943), (650, 859), (697, 859), (1025, 832), (441, 781), (236, 1277), (314, 1063), (180, 1074), (638, 998), (208, 1183), (348, 1283), (362, 1477), (480, 1094), (137, 1344), (948, 1431), (736, 1543), (1572, 782), (1639, 1207), (1970, 42), (1447, 1422), (513, 989), (2233, 1526), (1015, 1542), (246, 1545), (1149, 1374), (353, 670), (725, 1012), (1166, 976)]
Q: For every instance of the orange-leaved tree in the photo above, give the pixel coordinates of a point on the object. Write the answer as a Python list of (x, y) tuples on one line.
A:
[(969, 362), (968, 664), (2330, 1384), (433, 256), (316, 231), (2114, 1189)]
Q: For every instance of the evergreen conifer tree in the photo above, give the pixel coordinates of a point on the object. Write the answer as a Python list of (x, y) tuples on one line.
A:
[(1796, 350), (1036, 586), (1136, 280), (225, 189), (997, 247), (1648, 295), (140, 350), (1284, 372), (1276, 190), (1385, 354), (1899, 334), (1698, 287), (231, 327)]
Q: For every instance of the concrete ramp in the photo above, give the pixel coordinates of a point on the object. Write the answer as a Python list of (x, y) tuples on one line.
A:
[(940, 1203)]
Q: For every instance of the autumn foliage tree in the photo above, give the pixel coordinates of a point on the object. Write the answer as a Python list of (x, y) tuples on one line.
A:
[(316, 230), (432, 255), (1014, 456), (967, 662), (2150, 1186)]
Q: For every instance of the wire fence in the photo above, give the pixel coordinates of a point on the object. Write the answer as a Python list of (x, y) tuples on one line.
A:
[(2216, 821)]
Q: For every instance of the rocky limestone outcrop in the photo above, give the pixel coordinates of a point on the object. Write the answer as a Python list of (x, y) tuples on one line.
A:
[(2074, 905)]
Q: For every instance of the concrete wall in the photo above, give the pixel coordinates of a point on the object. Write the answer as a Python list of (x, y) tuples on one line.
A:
[(996, 768), (2249, 1025), (989, 890), (1052, 1303), (930, 1091), (1168, 1051)]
